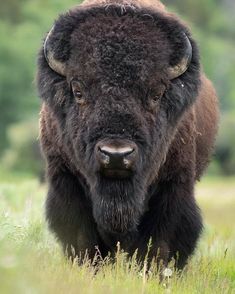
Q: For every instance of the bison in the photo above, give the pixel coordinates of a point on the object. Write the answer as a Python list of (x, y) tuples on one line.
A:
[(128, 121)]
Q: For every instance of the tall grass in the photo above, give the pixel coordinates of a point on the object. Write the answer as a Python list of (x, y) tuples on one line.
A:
[(31, 260)]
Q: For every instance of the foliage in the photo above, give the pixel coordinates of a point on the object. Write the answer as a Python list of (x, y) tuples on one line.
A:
[(225, 148), (31, 261), (23, 153), (210, 15)]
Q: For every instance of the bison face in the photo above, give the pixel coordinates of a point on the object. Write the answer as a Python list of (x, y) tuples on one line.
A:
[(117, 138), (118, 82)]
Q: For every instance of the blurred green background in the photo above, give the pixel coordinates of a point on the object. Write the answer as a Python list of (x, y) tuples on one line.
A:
[(24, 23)]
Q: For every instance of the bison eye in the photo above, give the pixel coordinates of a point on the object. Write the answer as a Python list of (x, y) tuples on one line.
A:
[(77, 92), (156, 97), (78, 96)]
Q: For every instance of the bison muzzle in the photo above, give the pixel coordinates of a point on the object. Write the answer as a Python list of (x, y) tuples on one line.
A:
[(128, 122)]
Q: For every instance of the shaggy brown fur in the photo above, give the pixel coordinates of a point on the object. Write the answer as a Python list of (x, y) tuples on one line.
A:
[(120, 73), (140, 3)]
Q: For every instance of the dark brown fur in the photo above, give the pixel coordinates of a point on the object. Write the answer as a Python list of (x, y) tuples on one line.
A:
[(167, 212)]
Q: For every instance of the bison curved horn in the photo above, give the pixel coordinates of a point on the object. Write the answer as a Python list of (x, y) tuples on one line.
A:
[(178, 69), (55, 65)]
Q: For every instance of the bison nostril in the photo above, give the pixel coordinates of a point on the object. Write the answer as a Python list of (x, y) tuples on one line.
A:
[(103, 156)]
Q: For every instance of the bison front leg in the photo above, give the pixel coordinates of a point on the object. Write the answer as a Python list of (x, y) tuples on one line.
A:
[(173, 222), (180, 219), (69, 215), (186, 233)]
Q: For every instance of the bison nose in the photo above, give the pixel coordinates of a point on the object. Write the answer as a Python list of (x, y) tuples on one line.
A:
[(116, 156)]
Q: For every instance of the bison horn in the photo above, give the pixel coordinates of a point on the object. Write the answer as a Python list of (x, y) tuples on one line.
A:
[(178, 69), (56, 65)]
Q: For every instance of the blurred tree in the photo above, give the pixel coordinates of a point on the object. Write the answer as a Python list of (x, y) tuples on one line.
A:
[(16, 75), (23, 153), (11, 10), (214, 16), (197, 11), (225, 148)]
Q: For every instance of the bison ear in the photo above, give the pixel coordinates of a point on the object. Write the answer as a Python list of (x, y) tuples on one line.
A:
[(50, 46), (181, 67)]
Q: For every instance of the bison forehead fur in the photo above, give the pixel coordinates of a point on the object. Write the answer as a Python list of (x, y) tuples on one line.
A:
[(128, 122)]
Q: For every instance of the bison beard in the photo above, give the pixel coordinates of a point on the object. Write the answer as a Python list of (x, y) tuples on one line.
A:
[(128, 122), (117, 205)]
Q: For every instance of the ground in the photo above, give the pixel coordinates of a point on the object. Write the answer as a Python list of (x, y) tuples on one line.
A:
[(31, 261)]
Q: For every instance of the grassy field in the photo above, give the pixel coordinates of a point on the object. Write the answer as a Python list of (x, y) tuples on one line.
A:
[(31, 260)]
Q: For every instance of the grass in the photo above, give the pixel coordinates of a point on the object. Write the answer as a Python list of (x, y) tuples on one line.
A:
[(31, 261)]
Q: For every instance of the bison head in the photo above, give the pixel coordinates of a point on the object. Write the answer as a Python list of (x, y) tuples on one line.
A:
[(118, 81)]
